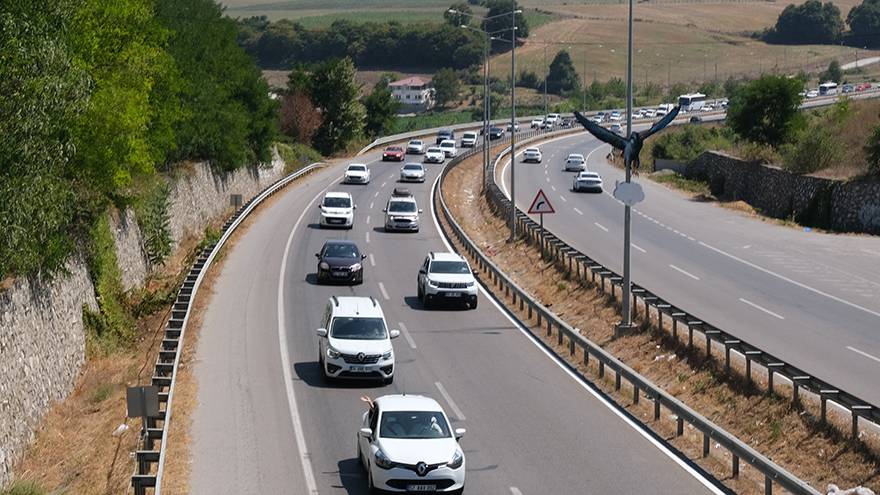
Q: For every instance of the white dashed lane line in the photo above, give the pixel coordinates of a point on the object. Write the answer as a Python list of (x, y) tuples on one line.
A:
[(515, 491), (638, 248), (579, 212), (597, 224), (863, 353), (553, 187), (372, 204), (368, 237), (383, 291), (376, 195), (759, 308), (407, 336), (368, 219), (684, 272), (372, 260), (563, 198), (383, 184), (452, 404)]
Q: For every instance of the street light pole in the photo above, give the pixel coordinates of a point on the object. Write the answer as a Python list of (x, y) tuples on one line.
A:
[(627, 211), (546, 72), (486, 114), (513, 123)]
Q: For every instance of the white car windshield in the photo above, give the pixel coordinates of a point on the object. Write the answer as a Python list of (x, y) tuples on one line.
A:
[(402, 207), (357, 168), (447, 145), (416, 168), (350, 328), (337, 202), (415, 143), (413, 425), (434, 150), (449, 267)]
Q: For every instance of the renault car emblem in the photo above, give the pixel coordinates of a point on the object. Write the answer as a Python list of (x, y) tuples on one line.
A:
[(421, 468)]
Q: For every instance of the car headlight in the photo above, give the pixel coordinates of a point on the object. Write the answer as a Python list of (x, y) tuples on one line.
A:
[(355, 267), (383, 461), (324, 265), (387, 355), (432, 283), (332, 353), (457, 460), (469, 284)]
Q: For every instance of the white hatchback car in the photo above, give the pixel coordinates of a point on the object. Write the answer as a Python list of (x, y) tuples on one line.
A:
[(406, 445), (587, 181), (412, 172), (448, 147), (575, 162), (337, 210), (435, 155), (532, 155), (448, 277), (415, 147), (354, 341), (357, 173)]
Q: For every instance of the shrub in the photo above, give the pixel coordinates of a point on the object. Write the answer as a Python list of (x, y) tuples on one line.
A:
[(689, 142), (112, 324), (815, 148)]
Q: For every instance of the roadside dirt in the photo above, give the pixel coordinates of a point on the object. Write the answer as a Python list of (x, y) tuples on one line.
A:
[(790, 435)]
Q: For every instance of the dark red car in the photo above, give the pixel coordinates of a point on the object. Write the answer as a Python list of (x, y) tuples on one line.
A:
[(393, 153)]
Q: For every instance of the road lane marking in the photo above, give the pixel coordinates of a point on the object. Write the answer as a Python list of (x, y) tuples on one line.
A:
[(368, 237), (579, 212), (284, 349), (597, 224), (637, 248), (406, 335), (863, 353), (771, 313), (684, 272), (563, 198), (515, 491), (691, 238), (868, 251), (368, 219), (383, 184), (452, 404), (793, 282), (747, 246), (548, 179), (371, 204), (553, 187), (383, 291), (372, 260), (641, 429)]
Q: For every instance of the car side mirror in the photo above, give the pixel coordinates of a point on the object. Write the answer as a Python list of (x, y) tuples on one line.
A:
[(384, 210), (422, 271), (459, 432), (355, 207), (420, 210), (317, 255), (322, 332), (394, 334), (366, 432), (363, 256)]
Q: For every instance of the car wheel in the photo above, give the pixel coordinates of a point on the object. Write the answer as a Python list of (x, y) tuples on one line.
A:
[(474, 304), (388, 381), (421, 294)]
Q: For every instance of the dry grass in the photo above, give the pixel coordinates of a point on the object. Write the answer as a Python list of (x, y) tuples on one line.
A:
[(791, 436)]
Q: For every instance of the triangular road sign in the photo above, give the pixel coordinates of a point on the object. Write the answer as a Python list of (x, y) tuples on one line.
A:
[(541, 204)]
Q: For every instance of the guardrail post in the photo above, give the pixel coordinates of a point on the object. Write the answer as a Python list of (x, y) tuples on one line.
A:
[(709, 334), (705, 444), (617, 380), (635, 393), (549, 327), (735, 467), (656, 407), (855, 419), (679, 426), (530, 311), (539, 318), (586, 357), (824, 402), (727, 344), (601, 369), (770, 373), (749, 355), (768, 485)]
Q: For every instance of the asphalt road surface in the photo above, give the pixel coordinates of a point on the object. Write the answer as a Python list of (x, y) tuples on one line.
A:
[(809, 298), (267, 422)]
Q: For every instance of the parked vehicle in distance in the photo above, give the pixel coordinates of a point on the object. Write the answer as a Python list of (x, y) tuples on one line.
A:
[(587, 181), (575, 162), (448, 147), (552, 118), (848, 88), (448, 277), (405, 445), (692, 102), (354, 341), (337, 210), (443, 135), (615, 116), (415, 147), (660, 112), (665, 107), (514, 127), (469, 139), (356, 173), (495, 133), (412, 172), (617, 129), (532, 155), (597, 119), (536, 123), (602, 116), (707, 108), (340, 261), (402, 213), (650, 113), (812, 93), (566, 122), (393, 153), (435, 155), (828, 89)]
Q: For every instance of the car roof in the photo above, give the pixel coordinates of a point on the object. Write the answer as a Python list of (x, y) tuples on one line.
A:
[(447, 141), (411, 164), (337, 195), (405, 402), (575, 155), (366, 307), (435, 148), (415, 141), (533, 149), (395, 148), (340, 242), (445, 256), (357, 164), (587, 173)]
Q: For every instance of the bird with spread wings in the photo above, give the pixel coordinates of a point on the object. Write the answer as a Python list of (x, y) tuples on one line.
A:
[(631, 146)]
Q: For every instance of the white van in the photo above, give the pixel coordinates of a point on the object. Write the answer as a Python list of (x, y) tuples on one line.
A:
[(469, 139)]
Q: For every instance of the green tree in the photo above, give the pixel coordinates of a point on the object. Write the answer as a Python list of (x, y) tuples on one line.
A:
[(833, 73), (446, 87), (381, 108), (864, 22), (461, 17), (335, 91), (562, 76), (766, 110), (872, 150), (44, 93), (498, 22), (810, 22)]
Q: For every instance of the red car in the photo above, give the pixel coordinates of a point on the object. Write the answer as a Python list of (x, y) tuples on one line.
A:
[(393, 153)]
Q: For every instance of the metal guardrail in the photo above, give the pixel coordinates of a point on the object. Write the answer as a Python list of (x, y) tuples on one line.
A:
[(712, 335), (565, 333), (165, 375)]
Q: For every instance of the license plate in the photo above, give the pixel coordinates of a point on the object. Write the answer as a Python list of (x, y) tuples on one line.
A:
[(340, 274), (335, 220), (453, 294), (421, 488), (359, 369)]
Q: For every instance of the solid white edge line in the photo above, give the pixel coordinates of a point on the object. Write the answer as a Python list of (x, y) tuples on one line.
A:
[(283, 347), (863, 353), (372, 260), (759, 308), (641, 429), (452, 404), (406, 335), (794, 282), (691, 275), (383, 291)]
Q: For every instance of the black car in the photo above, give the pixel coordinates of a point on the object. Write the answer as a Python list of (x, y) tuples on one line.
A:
[(496, 133), (445, 134), (340, 261)]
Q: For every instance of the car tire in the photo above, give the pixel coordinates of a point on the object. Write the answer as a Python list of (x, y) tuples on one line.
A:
[(473, 305), (388, 381)]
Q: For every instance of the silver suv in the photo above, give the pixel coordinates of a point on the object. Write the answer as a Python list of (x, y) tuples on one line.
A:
[(402, 213), (446, 277)]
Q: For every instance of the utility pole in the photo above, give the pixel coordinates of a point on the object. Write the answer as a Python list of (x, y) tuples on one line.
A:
[(486, 115), (626, 322), (513, 123), (546, 73), (584, 92)]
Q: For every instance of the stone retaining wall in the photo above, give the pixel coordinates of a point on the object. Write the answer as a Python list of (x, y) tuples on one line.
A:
[(810, 201)]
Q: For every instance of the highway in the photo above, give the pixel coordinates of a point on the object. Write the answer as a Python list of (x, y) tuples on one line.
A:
[(812, 299), (266, 421)]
